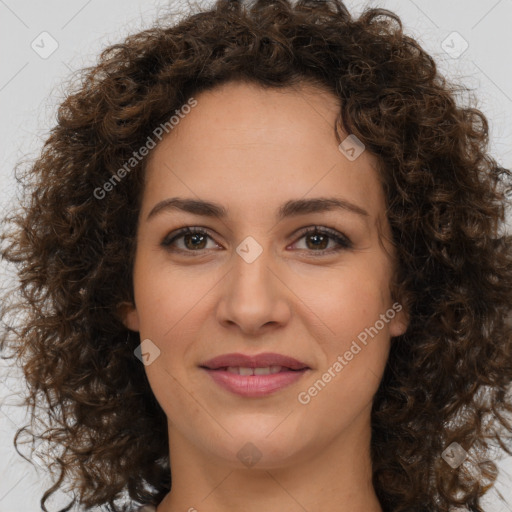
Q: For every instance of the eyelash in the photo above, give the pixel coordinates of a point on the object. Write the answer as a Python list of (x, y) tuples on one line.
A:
[(342, 241)]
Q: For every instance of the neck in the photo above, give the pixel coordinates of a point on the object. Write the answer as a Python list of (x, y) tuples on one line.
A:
[(337, 477)]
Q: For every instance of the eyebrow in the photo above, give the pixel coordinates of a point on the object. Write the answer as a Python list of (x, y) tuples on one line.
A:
[(291, 208)]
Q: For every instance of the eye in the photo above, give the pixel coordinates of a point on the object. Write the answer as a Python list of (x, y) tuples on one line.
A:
[(195, 239), (319, 238)]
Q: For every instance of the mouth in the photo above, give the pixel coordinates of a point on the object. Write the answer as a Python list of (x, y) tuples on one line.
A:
[(258, 362), (264, 370), (254, 376)]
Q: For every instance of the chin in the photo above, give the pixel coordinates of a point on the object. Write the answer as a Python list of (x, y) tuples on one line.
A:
[(260, 445)]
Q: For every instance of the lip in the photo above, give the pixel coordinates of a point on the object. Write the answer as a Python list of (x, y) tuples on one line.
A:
[(257, 361), (254, 385)]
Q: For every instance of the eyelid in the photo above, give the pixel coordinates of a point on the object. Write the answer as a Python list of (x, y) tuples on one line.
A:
[(322, 230), (180, 232)]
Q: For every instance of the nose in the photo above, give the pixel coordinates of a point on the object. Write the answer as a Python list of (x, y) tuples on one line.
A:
[(254, 298)]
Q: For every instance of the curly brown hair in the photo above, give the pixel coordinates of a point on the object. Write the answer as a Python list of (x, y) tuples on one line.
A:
[(447, 377)]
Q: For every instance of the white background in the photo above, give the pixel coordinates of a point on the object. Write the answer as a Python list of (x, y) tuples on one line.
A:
[(31, 87)]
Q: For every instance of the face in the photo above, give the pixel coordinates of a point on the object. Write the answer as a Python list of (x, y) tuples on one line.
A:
[(253, 281)]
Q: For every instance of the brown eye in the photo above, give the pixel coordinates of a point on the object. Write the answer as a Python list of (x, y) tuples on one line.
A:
[(194, 239), (318, 239)]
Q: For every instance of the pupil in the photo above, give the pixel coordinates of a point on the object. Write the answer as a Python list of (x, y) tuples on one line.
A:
[(193, 236), (317, 237)]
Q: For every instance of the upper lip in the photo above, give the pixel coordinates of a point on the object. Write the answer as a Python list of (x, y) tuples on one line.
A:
[(256, 361)]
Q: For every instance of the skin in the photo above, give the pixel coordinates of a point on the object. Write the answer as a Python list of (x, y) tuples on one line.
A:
[(251, 150)]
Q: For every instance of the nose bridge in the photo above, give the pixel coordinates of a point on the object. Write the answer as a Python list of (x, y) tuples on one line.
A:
[(251, 265), (251, 297)]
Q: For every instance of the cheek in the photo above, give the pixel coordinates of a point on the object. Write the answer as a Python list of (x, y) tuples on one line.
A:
[(356, 350), (352, 307), (164, 295), (348, 299)]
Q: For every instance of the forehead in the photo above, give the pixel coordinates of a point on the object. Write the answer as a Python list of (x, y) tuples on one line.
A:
[(250, 147)]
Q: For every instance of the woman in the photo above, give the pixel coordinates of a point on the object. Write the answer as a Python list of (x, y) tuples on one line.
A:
[(340, 339)]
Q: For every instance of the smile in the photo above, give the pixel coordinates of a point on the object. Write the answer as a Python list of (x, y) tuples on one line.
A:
[(254, 375)]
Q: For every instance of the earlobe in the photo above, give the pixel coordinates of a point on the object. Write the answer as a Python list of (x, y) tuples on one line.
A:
[(129, 316), (400, 322)]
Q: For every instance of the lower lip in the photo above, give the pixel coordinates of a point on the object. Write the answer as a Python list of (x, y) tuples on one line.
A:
[(254, 385)]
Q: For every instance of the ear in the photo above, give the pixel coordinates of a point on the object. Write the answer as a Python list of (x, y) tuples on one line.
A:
[(399, 323), (128, 314)]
